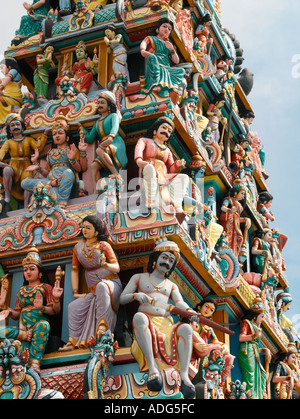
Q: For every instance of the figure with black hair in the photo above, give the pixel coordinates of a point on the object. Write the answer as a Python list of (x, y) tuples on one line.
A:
[(94, 312), (215, 116), (19, 147), (111, 149), (10, 87), (202, 32), (264, 203), (254, 373), (114, 41), (153, 325), (285, 377), (36, 300), (231, 218), (161, 180), (160, 54)]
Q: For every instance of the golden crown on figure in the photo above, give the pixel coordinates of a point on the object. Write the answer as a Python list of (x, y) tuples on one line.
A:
[(32, 258)]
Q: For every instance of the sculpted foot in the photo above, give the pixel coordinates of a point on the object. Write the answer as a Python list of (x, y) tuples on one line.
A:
[(154, 382), (188, 390)]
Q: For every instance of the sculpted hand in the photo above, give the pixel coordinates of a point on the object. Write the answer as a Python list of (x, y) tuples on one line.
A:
[(142, 298), (35, 156), (57, 292), (38, 302), (72, 152)]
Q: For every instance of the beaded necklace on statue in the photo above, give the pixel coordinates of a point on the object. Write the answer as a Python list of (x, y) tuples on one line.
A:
[(89, 251), (157, 287)]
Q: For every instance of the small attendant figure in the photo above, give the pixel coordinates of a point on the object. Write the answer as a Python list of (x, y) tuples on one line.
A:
[(254, 373)]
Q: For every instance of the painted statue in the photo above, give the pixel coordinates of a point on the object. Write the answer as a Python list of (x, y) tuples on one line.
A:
[(207, 381), (202, 31), (240, 156), (159, 54), (264, 203), (111, 149), (262, 259), (231, 218), (17, 380), (95, 312), (63, 160), (82, 70), (215, 116), (158, 342), (206, 342), (160, 175), (284, 378), (36, 300), (254, 371), (19, 147), (114, 41), (10, 87), (207, 307), (31, 24), (41, 75)]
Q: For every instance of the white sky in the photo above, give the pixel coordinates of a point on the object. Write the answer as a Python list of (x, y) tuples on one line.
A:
[(268, 31)]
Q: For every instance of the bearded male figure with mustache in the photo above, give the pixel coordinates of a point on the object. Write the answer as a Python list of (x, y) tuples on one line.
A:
[(19, 147), (158, 342), (162, 183)]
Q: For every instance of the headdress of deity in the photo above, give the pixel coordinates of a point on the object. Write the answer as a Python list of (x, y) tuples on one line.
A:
[(61, 122), (12, 117), (164, 245), (292, 348), (238, 184), (257, 305), (32, 258), (81, 44)]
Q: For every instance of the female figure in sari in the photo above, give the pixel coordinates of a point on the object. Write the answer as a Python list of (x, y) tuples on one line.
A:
[(10, 87), (254, 374), (31, 24), (285, 377), (114, 41), (36, 300), (92, 314), (231, 219), (41, 75), (159, 53)]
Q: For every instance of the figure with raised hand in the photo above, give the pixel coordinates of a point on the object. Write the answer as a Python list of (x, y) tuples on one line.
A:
[(63, 160), (36, 300), (19, 147), (153, 323)]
